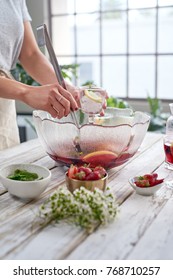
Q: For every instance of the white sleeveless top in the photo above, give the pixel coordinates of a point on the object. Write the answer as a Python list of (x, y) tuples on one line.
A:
[(12, 15)]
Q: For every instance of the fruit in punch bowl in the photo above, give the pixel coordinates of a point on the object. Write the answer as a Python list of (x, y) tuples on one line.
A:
[(108, 140)]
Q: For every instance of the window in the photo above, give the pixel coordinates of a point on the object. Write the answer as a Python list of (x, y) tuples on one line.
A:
[(125, 46)]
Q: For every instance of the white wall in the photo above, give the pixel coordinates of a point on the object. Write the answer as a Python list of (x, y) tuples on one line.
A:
[(37, 10)]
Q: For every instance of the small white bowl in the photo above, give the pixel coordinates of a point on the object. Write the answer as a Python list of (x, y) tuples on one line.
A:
[(25, 189), (146, 190)]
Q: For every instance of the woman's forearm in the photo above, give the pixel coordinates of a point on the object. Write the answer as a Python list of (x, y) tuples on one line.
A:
[(10, 89), (42, 72), (51, 98), (34, 61)]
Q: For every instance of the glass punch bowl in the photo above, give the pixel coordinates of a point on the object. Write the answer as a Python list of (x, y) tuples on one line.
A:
[(108, 141)]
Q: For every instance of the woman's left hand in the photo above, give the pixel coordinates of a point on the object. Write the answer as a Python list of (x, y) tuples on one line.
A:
[(75, 91)]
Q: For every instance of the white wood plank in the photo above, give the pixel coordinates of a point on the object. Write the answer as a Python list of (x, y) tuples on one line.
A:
[(26, 157), (118, 239), (156, 243), (49, 243), (63, 252), (16, 203), (18, 241), (21, 229), (19, 149)]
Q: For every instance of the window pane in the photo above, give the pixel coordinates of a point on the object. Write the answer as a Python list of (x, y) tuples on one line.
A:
[(165, 80), (62, 6), (114, 76), (85, 6), (88, 34), (63, 38), (142, 4), (142, 31), (65, 61), (165, 2), (165, 38), (114, 33), (88, 46), (108, 5), (89, 70), (141, 76)]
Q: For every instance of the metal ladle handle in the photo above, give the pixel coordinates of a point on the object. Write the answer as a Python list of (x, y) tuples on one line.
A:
[(44, 39)]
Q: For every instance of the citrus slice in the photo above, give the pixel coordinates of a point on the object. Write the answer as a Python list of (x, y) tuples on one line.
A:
[(102, 158), (93, 96), (171, 149)]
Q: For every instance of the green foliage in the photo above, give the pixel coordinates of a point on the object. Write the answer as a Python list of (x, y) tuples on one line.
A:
[(89, 83), (21, 75), (158, 119), (68, 71), (155, 106), (112, 5), (117, 102)]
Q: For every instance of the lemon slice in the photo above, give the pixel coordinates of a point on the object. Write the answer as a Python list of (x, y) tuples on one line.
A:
[(93, 96)]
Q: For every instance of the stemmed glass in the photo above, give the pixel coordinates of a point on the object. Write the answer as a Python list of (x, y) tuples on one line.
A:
[(92, 100), (168, 149)]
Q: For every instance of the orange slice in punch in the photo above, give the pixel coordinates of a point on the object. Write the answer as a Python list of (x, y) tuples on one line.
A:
[(171, 149), (103, 158)]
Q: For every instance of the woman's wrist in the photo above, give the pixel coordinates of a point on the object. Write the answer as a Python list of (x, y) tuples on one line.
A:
[(23, 92), (12, 89)]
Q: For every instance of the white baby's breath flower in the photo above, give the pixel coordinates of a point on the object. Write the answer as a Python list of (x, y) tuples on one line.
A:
[(83, 207)]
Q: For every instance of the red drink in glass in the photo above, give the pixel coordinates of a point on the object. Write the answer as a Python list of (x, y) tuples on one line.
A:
[(168, 148), (168, 153)]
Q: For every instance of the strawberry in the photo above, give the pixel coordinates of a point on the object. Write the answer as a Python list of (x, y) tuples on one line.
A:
[(101, 170), (159, 181), (87, 170), (142, 183), (72, 171), (155, 175), (148, 180), (80, 175), (85, 173), (95, 175)]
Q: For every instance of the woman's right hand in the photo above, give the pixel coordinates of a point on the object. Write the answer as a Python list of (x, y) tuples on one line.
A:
[(51, 98)]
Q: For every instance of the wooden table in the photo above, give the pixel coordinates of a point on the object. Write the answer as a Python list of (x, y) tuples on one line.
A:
[(143, 228)]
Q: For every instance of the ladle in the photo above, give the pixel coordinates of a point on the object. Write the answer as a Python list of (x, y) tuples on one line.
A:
[(43, 39)]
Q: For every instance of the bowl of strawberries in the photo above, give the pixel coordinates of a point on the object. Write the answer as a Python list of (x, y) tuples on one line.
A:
[(146, 184), (90, 178)]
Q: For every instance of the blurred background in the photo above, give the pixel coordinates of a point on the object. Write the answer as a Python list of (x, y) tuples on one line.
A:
[(125, 46)]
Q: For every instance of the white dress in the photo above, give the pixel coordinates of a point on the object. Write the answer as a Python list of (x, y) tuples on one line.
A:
[(12, 15)]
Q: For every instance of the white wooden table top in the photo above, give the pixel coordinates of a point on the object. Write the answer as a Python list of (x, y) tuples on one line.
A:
[(143, 228)]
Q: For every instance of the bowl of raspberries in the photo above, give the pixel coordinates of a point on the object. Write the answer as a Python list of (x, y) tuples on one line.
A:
[(146, 184), (90, 178)]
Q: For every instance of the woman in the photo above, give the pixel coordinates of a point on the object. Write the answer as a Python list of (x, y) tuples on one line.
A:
[(17, 42)]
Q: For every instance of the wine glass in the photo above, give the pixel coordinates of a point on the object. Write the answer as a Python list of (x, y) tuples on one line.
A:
[(168, 149), (92, 100)]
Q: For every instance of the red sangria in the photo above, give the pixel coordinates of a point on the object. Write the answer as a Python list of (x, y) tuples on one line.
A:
[(168, 148), (106, 159), (109, 140)]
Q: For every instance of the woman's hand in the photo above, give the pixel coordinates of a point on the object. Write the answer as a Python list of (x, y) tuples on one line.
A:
[(104, 104), (75, 91), (51, 98)]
